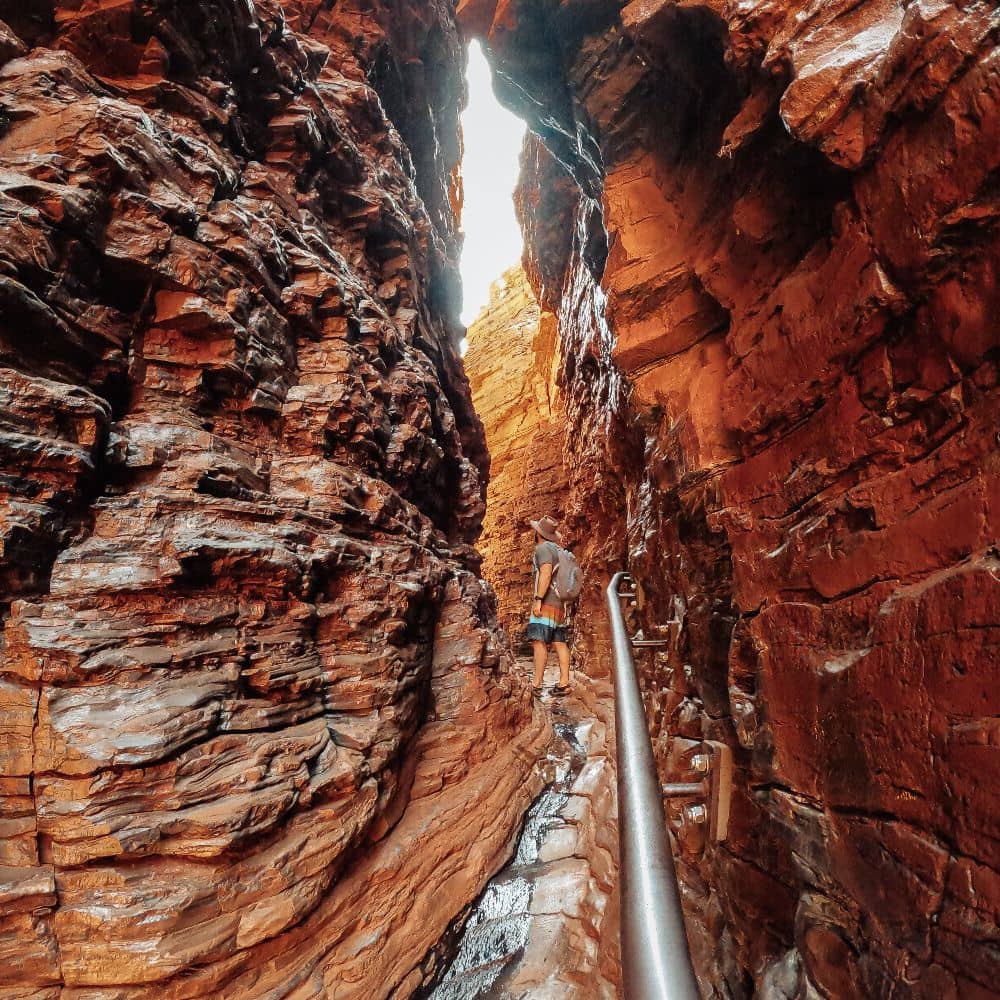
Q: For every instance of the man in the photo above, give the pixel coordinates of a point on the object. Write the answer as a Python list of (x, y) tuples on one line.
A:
[(547, 624)]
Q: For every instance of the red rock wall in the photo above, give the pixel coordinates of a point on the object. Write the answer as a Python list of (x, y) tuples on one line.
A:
[(511, 364), (256, 736), (769, 231)]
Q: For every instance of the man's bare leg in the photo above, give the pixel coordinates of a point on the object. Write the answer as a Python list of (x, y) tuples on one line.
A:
[(562, 651), (541, 654)]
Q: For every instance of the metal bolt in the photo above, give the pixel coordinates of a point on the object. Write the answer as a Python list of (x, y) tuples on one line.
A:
[(696, 814), (700, 763), (682, 789)]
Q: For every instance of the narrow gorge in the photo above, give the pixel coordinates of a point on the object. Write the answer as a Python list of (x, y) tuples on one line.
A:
[(265, 726)]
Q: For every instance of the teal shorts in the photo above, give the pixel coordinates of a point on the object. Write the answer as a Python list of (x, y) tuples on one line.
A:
[(545, 630)]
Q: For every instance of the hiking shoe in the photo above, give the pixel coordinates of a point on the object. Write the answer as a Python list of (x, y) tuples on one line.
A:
[(536, 692), (561, 689)]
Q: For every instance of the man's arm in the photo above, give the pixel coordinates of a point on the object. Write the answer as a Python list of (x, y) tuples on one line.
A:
[(542, 586)]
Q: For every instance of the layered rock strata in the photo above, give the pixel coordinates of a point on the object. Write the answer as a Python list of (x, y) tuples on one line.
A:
[(547, 925), (572, 931), (511, 365), (770, 234), (258, 735), (513, 360)]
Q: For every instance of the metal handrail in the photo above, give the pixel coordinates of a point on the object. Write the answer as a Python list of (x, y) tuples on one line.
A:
[(656, 961)]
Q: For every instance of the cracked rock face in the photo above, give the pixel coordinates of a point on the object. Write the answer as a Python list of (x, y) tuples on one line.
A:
[(253, 705), (511, 359), (512, 362), (769, 232)]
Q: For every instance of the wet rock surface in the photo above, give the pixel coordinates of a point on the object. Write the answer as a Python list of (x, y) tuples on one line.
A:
[(769, 234), (546, 926), (258, 735)]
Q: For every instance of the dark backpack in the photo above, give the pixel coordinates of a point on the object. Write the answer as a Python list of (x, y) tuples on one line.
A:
[(567, 581)]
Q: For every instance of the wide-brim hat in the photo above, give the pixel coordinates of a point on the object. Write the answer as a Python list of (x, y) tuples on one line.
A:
[(547, 527)]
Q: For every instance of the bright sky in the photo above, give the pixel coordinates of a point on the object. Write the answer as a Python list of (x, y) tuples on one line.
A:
[(489, 172)]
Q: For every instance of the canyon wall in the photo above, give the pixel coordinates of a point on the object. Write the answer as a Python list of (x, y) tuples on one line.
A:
[(258, 733), (769, 232), (511, 364)]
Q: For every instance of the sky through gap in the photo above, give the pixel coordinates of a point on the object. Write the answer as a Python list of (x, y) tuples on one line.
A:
[(493, 139)]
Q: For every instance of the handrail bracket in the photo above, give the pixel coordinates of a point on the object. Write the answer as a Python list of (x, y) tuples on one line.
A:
[(712, 762)]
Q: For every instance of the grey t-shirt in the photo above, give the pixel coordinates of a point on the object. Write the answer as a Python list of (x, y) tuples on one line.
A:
[(547, 553)]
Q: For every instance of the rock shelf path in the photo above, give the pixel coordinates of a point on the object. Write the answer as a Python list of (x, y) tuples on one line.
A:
[(546, 924)]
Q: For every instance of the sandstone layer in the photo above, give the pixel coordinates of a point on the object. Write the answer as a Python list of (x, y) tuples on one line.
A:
[(511, 365), (547, 925), (770, 232), (258, 733), (572, 949)]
